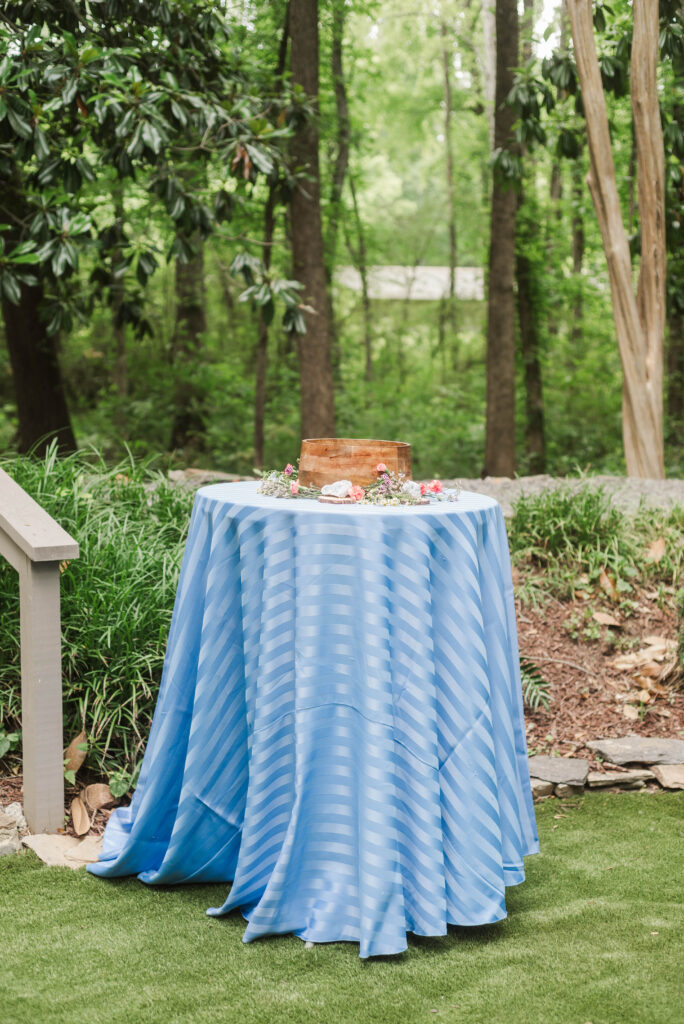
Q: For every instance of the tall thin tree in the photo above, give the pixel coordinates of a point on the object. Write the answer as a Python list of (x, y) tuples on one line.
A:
[(316, 376), (500, 427)]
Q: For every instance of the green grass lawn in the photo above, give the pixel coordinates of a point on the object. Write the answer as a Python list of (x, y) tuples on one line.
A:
[(595, 934)]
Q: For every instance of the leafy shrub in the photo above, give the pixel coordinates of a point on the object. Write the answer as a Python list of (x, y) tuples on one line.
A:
[(116, 598)]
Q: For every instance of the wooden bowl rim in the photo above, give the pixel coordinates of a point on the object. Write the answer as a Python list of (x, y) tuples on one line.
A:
[(355, 441)]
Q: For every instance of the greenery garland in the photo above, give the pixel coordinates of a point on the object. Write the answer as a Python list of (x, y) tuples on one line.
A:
[(389, 488)]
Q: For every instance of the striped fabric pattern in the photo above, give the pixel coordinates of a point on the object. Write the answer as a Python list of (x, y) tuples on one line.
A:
[(339, 729)]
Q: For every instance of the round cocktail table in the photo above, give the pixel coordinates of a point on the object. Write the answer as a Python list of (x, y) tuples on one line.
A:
[(339, 728)]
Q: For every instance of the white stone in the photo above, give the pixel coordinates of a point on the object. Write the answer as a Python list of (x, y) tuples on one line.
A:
[(9, 836), (16, 812), (339, 489), (411, 488)]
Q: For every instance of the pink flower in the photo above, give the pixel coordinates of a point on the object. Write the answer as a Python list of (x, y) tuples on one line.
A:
[(289, 470), (423, 489), (357, 493), (436, 486), (294, 486), (381, 468)]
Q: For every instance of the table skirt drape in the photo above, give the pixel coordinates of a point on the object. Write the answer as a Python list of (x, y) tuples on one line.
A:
[(339, 728)]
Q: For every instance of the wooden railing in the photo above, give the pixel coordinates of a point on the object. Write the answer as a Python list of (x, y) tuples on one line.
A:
[(35, 544)]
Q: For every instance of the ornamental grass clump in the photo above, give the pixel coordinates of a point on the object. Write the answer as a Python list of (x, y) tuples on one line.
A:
[(116, 598), (561, 525)]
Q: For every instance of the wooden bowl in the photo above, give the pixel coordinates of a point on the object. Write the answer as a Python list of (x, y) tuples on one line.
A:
[(323, 460)]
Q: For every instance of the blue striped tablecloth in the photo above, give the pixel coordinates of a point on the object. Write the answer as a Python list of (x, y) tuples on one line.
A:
[(339, 729)]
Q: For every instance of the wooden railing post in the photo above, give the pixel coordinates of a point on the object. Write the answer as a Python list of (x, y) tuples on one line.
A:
[(34, 544), (41, 697)]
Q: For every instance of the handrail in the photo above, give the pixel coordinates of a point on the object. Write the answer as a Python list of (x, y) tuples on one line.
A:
[(34, 544)]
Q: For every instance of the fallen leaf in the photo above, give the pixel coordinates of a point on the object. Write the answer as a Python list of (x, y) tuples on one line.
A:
[(79, 817), (643, 696), (608, 586), (604, 619), (630, 712), (75, 753), (651, 669), (98, 795), (656, 550)]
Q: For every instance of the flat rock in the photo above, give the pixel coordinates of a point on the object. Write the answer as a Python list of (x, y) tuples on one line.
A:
[(671, 776), (562, 789), (541, 788), (632, 775), (572, 771), (639, 750), (65, 851)]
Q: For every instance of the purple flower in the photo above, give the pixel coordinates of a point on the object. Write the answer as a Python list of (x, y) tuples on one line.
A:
[(289, 470)]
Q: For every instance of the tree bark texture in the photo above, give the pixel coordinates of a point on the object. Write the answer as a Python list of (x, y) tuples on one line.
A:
[(38, 387), (639, 319), (317, 389), (191, 324), (500, 429)]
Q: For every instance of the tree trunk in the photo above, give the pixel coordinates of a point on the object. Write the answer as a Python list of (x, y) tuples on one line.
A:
[(262, 342), (317, 389), (38, 387), (500, 431), (451, 205), (535, 443), (577, 254), (359, 256), (117, 294), (675, 320), (640, 319), (269, 227), (191, 324), (339, 172)]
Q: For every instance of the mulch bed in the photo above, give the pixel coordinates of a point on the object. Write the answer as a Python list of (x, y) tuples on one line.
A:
[(587, 691)]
